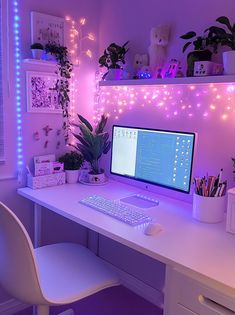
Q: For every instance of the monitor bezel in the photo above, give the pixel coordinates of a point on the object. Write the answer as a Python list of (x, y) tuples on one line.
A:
[(150, 182)]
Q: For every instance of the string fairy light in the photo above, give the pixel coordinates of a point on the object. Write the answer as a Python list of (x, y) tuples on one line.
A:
[(176, 100)]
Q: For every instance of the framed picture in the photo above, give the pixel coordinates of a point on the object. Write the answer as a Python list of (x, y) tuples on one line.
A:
[(40, 96), (46, 28)]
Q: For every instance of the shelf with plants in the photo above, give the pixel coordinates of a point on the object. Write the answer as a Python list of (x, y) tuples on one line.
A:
[(168, 81)]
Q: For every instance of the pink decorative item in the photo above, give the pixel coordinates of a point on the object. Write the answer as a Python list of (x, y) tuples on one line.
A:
[(46, 144), (47, 129), (36, 136), (171, 69)]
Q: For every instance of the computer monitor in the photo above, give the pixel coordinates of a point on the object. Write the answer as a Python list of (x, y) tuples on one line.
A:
[(159, 157)]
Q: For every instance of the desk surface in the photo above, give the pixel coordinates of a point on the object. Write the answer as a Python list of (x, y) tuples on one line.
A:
[(202, 250)]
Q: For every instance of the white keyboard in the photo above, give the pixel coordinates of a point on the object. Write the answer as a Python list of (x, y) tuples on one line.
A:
[(119, 211)]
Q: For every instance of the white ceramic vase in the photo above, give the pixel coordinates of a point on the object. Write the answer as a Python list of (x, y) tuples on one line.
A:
[(229, 62), (209, 209), (72, 176), (37, 53), (96, 178)]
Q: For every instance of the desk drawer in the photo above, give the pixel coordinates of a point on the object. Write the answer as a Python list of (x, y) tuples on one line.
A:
[(196, 296), (181, 310)]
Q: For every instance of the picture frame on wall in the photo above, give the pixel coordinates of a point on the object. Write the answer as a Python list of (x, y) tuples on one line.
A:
[(47, 28), (40, 96)]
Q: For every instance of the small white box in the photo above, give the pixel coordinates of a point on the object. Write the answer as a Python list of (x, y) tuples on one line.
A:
[(230, 223), (37, 182), (204, 68)]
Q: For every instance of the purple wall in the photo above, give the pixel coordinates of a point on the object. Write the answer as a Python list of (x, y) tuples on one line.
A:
[(205, 109)]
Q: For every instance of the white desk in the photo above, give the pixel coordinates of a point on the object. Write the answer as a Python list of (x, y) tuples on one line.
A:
[(202, 251)]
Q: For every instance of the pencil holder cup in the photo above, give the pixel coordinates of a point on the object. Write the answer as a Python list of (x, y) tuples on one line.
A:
[(208, 209)]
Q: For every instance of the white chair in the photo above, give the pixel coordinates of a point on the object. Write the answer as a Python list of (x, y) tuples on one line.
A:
[(49, 275)]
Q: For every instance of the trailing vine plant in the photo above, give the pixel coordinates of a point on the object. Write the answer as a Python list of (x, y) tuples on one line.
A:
[(64, 70)]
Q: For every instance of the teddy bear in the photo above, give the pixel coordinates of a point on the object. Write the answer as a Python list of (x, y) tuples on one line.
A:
[(159, 37), (140, 61)]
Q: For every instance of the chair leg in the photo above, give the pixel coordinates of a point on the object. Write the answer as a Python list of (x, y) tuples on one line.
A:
[(43, 310)]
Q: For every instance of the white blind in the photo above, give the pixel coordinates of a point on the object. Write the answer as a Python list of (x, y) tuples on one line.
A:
[(1, 98)]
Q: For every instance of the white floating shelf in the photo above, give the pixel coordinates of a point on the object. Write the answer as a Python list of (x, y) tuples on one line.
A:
[(36, 62), (182, 81)]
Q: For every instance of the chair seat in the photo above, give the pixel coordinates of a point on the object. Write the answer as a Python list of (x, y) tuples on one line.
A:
[(69, 272)]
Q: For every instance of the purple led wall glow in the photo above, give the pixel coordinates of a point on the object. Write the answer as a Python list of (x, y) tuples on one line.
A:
[(16, 27), (186, 101)]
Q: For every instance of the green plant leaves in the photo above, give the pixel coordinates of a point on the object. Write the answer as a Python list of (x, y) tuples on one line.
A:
[(92, 143), (186, 46), (188, 35), (86, 122), (224, 20)]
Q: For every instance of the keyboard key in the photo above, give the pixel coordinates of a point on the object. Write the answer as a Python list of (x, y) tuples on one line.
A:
[(117, 210)]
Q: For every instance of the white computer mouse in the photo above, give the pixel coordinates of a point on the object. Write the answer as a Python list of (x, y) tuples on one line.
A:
[(153, 228)]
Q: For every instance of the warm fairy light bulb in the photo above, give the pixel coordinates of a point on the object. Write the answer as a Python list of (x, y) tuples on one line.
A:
[(82, 21), (89, 53), (67, 18), (212, 107), (224, 116), (91, 36)]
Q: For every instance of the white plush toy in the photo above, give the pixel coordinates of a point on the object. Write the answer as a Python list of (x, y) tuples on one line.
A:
[(159, 38), (139, 62)]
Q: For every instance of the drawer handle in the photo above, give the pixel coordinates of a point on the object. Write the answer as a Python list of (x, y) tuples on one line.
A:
[(214, 306)]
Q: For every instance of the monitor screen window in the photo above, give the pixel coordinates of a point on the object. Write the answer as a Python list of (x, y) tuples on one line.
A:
[(155, 156)]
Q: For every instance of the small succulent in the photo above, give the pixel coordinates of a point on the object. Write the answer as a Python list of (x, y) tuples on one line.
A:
[(225, 37), (114, 56), (72, 160), (37, 46), (93, 142)]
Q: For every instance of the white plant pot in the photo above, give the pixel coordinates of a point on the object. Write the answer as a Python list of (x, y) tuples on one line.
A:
[(96, 178), (72, 176), (114, 74), (209, 209), (229, 62), (37, 53)]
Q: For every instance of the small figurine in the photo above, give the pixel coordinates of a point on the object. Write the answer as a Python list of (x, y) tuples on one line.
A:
[(140, 61), (159, 38)]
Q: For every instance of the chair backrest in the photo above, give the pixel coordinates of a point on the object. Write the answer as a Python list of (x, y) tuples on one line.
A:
[(18, 269)]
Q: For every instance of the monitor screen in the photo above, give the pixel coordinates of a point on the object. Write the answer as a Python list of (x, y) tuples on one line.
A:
[(158, 157)]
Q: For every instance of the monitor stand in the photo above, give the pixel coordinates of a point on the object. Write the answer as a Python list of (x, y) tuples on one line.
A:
[(140, 201)]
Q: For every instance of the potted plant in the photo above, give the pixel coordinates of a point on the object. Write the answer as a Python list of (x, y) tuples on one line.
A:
[(113, 59), (226, 37), (64, 69), (200, 52), (93, 143), (72, 164), (37, 50)]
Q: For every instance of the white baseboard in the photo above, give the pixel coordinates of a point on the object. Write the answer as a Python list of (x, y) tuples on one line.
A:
[(150, 294), (11, 307)]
